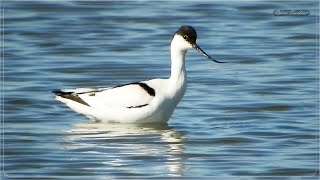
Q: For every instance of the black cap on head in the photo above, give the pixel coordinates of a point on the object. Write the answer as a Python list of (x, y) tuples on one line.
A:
[(188, 33)]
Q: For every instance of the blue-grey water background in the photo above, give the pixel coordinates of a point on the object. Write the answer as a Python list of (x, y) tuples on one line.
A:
[(256, 115)]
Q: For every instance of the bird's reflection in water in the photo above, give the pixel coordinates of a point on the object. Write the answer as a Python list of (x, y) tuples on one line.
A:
[(122, 145)]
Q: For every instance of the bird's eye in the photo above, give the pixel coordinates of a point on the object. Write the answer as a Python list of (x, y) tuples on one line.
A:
[(185, 36)]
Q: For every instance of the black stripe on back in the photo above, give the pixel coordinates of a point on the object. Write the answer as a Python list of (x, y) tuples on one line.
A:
[(147, 88), (144, 86)]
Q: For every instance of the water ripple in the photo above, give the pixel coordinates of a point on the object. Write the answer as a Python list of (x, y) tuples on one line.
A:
[(256, 115)]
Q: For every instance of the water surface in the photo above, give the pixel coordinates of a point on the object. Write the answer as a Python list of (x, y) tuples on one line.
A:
[(255, 116)]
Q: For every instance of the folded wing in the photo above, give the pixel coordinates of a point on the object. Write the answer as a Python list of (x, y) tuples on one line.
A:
[(134, 95)]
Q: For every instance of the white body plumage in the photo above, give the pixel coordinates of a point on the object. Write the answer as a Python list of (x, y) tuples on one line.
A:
[(151, 101)]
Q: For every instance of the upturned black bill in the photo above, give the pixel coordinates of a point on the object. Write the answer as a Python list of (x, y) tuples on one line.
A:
[(195, 46)]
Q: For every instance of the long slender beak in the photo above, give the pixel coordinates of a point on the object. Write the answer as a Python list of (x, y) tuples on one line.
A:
[(195, 46)]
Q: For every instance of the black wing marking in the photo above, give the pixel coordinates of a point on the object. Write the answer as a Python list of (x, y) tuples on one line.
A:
[(147, 88), (138, 106), (144, 86), (70, 95)]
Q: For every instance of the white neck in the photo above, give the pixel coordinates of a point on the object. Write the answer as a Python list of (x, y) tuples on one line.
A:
[(178, 69), (178, 78)]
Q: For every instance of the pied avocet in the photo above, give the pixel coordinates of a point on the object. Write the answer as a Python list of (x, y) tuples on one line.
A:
[(151, 101)]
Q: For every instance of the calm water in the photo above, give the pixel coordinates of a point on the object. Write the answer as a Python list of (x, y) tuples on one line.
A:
[(256, 116)]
